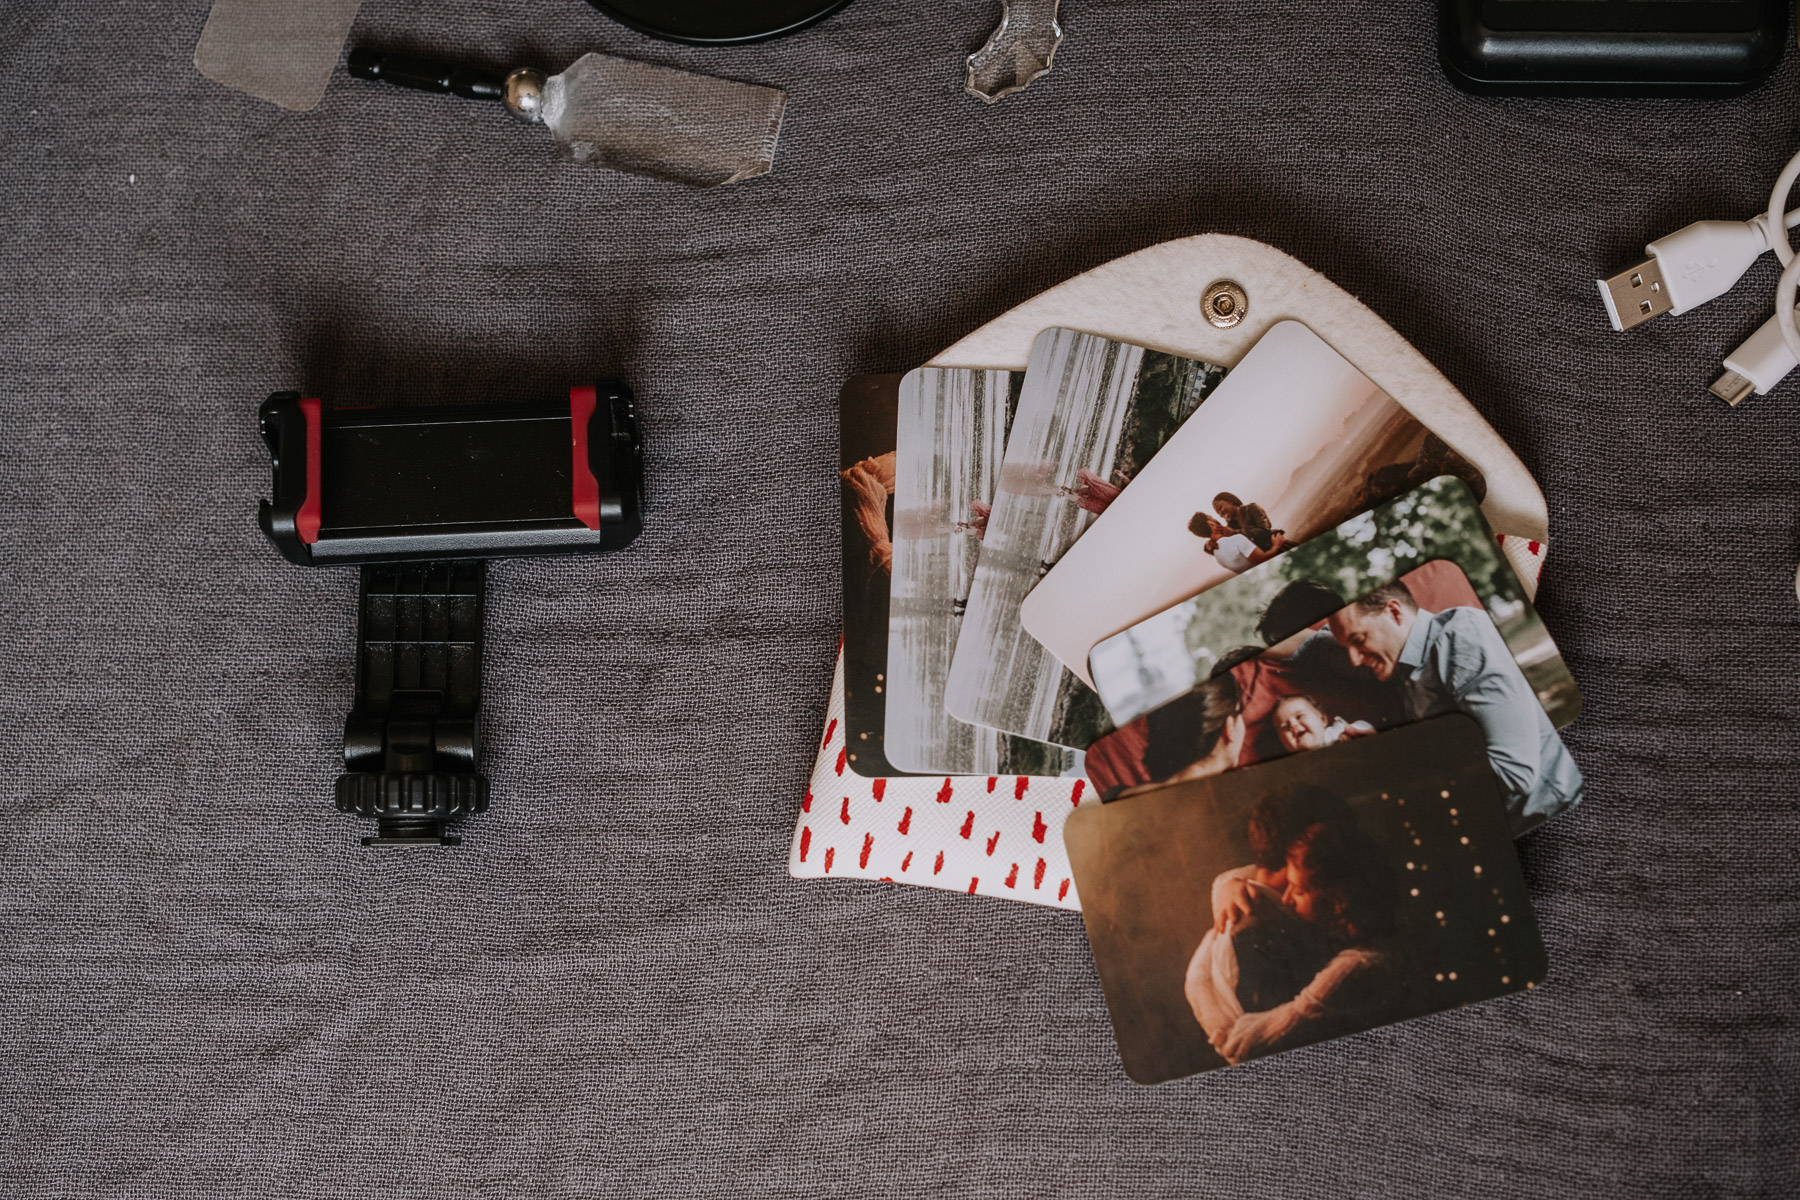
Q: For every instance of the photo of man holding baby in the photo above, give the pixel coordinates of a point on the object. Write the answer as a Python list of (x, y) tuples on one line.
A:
[(1419, 647), (1455, 661)]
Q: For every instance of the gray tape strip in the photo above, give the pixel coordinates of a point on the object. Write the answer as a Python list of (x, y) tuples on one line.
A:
[(282, 51), (664, 123)]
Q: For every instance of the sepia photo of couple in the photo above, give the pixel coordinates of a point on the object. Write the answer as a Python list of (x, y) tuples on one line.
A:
[(1249, 913)]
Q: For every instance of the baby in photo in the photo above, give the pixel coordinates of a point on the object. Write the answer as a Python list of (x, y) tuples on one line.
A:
[(1293, 442), (1414, 648), (1302, 724)]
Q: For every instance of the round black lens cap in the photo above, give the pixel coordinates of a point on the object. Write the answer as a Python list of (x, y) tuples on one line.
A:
[(718, 22)]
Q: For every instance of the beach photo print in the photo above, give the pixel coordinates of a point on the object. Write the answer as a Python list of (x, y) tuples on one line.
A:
[(1090, 415), (1294, 441), (952, 431), (1255, 912), (867, 410)]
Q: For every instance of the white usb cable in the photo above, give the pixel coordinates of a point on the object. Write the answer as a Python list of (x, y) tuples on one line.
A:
[(1685, 270), (1756, 366), (1704, 261), (1784, 250)]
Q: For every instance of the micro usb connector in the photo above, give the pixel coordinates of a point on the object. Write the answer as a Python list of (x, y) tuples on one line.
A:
[(1756, 366), (1732, 388)]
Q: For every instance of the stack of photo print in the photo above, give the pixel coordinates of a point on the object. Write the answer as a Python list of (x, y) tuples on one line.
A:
[(1244, 636)]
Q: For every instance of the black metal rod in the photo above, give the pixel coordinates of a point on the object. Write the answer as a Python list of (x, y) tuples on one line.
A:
[(428, 75)]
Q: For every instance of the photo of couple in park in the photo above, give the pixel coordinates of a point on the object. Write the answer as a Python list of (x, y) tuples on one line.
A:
[(1249, 913)]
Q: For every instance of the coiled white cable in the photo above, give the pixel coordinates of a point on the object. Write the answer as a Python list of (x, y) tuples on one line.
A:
[(1789, 282), (1700, 263)]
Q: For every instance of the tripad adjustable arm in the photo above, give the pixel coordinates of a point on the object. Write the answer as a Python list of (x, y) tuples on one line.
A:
[(412, 748)]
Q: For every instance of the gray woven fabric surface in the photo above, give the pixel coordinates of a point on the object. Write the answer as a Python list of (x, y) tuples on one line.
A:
[(207, 988)]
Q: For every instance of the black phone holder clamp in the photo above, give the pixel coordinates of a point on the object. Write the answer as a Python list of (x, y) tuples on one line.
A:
[(421, 498)]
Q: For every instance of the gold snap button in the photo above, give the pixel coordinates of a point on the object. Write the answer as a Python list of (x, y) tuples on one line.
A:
[(1224, 304)]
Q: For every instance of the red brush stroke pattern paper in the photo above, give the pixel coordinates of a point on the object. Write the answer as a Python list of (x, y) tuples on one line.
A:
[(989, 836), (978, 834), (1526, 557)]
